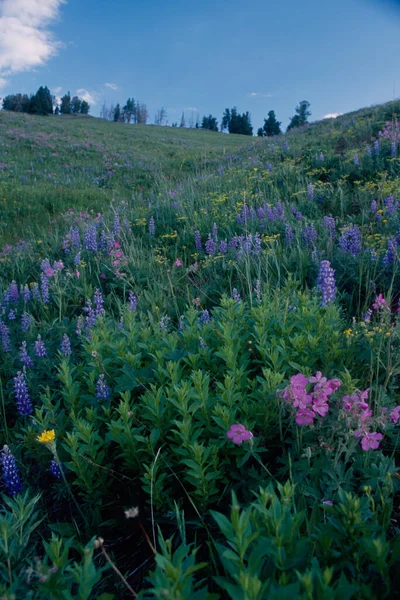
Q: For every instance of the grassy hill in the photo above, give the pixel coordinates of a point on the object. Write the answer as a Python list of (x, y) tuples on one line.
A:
[(51, 163), (199, 360)]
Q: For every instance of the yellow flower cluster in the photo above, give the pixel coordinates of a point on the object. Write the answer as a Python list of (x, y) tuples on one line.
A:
[(48, 436)]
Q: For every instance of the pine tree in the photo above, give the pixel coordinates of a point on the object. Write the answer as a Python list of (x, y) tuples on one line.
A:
[(85, 107), (226, 117), (117, 113), (65, 108), (271, 125), (301, 116), (76, 105), (41, 103), (210, 123)]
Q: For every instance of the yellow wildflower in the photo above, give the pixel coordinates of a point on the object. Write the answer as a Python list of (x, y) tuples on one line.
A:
[(48, 436)]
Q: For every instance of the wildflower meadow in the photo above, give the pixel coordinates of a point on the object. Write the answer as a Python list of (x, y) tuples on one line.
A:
[(199, 360)]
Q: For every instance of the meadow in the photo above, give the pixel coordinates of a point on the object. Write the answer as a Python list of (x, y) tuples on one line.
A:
[(199, 360)]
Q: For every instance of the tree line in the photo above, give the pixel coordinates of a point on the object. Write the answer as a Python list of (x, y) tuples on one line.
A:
[(133, 111), (44, 103)]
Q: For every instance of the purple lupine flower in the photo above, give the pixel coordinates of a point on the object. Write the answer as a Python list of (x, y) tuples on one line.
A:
[(350, 240), (11, 315), (367, 316), (257, 244), (79, 325), (391, 253), (11, 476), (25, 322), (90, 239), (40, 348), (103, 240), (391, 205), (197, 240), (374, 206), (326, 282), (210, 245), (280, 211), (35, 291), (13, 289), (23, 401), (204, 317), (44, 288), (310, 192), (289, 235), (376, 147), (329, 224), (77, 259), (102, 390), (356, 160), (25, 293), (321, 157), (24, 356), (236, 295), (55, 468), (5, 336), (65, 345), (215, 232), (132, 301), (152, 226), (223, 247), (393, 149), (299, 216), (309, 235), (234, 242), (117, 225), (75, 237), (90, 319), (98, 303)]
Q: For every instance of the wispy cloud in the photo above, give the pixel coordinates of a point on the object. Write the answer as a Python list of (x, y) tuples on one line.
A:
[(259, 95), (332, 115), (26, 41), (57, 90), (89, 96), (192, 108), (112, 86), (3, 83)]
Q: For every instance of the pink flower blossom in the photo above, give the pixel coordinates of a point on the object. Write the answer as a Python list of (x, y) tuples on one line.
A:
[(238, 433), (305, 416), (328, 502), (320, 406), (395, 414), (195, 266), (49, 272), (379, 303), (318, 378), (77, 273), (178, 263), (58, 265), (369, 441)]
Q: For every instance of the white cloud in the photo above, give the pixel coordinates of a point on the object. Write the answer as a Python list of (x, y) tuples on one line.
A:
[(3, 83), (259, 95), (91, 97), (57, 90), (112, 86), (192, 108), (26, 41), (332, 115)]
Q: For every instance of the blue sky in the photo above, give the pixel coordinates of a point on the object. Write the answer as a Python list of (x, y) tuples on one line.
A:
[(207, 55)]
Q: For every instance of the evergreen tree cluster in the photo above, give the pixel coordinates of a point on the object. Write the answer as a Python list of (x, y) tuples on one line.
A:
[(235, 122), (210, 123), (132, 112), (43, 103)]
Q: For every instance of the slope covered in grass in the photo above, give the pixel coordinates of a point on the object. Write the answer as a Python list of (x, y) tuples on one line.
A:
[(215, 351)]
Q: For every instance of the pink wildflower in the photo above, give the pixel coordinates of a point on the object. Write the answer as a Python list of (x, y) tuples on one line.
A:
[(77, 273), (178, 263), (49, 272), (369, 441), (238, 433), (379, 303), (395, 414), (305, 416), (320, 406)]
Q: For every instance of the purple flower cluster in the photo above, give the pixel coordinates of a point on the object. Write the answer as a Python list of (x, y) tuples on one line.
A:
[(55, 468), (40, 348), (102, 390), (197, 241), (23, 401), (326, 283), (24, 356), (132, 301), (11, 476), (5, 336), (309, 235), (204, 317), (65, 346), (152, 226), (350, 240), (329, 224)]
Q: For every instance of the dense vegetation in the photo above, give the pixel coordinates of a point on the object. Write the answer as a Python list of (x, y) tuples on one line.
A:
[(199, 360)]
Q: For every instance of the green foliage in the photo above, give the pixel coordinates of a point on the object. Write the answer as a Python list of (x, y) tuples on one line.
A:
[(301, 116), (271, 126), (210, 123)]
